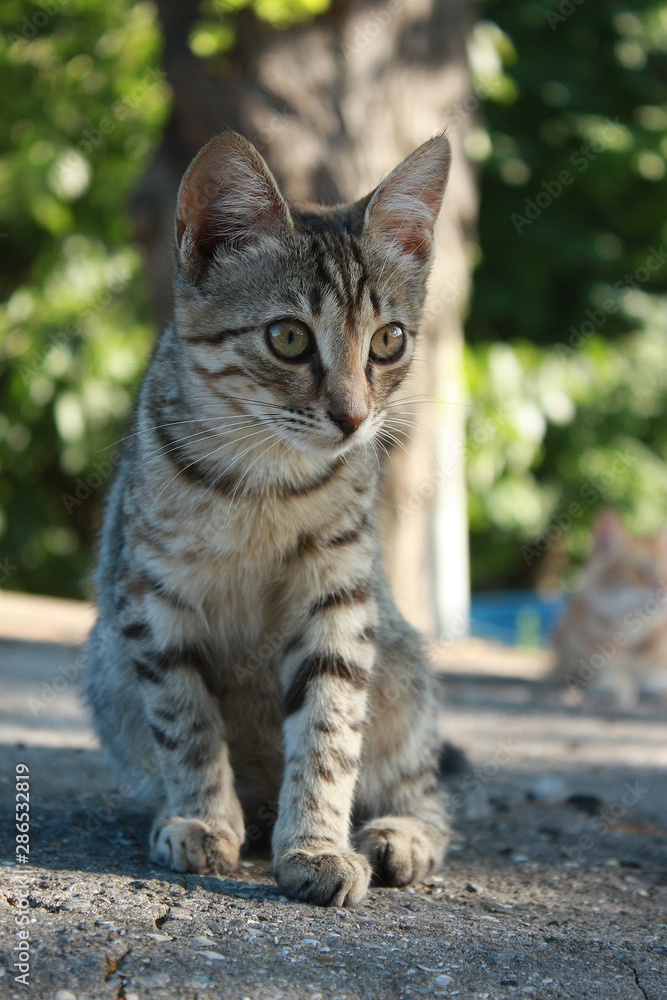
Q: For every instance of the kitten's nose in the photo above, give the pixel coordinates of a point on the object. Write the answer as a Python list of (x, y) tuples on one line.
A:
[(348, 422)]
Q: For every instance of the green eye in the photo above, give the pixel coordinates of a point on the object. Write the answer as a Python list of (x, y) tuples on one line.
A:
[(387, 343), (289, 339)]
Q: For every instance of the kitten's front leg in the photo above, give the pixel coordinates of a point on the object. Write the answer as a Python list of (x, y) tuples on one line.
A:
[(326, 679), (200, 828)]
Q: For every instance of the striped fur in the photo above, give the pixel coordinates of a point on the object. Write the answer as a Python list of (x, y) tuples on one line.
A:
[(612, 637), (248, 663)]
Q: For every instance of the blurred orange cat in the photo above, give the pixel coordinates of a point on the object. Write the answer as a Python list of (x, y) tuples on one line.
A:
[(612, 638)]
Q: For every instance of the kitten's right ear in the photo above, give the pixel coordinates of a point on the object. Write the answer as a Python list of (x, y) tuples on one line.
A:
[(607, 531), (402, 211), (228, 201)]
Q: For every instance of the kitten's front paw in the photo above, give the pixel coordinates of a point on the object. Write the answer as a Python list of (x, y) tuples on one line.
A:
[(328, 878), (400, 849), (191, 845)]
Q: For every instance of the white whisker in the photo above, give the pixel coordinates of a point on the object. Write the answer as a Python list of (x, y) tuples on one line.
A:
[(204, 458), (198, 436), (254, 462)]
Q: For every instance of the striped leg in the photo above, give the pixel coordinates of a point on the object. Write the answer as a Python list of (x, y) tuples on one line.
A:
[(407, 829), (326, 679), (200, 828)]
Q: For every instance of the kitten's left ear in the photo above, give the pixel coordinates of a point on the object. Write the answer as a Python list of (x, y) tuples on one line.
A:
[(228, 200), (402, 211)]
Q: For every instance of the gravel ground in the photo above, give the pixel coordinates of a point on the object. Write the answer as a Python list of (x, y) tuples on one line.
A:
[(556, 886)]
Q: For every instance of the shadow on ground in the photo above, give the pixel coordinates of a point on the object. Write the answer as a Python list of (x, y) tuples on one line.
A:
[(555, 886)]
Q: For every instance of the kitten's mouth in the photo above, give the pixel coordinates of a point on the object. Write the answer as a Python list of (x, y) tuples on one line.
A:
[(326, 449), (323, 448), (311, 439)]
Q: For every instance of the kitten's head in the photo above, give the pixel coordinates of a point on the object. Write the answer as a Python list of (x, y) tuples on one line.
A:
[(625, 563), (305, 318)]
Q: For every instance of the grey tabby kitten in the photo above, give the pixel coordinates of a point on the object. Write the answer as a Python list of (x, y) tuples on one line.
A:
[(248, 657)]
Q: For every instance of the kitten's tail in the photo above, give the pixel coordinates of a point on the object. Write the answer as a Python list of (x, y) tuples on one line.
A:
[(451, 761)]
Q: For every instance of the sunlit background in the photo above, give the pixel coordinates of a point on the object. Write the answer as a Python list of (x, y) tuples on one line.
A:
[(566, 331)]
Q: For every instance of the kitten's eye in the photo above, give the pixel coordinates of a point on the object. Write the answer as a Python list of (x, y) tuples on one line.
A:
[(387, 343), (289, 339)]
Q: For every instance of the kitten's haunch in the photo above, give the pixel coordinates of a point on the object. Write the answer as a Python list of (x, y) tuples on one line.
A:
[(248, 664), (612, 637)]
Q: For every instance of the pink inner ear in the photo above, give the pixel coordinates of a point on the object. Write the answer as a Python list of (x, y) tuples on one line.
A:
[(404, 208), (227, 197), (412, 234)]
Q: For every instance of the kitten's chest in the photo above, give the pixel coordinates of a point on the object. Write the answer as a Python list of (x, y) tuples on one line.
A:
[(235, 566)]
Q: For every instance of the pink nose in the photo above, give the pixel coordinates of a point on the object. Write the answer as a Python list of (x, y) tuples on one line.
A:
[(348, 422)]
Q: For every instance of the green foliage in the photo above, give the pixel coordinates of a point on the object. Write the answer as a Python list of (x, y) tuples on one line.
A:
[(567, 345), (87, 106), (88, 103), (214, 34), (567, 340)]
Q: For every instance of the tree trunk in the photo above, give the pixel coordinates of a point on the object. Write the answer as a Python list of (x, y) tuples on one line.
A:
[(333, 106)]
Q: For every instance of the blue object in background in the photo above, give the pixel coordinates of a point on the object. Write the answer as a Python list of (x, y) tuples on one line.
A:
[(516, 617)]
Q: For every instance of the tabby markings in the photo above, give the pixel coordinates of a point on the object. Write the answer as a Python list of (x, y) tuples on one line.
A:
[(219, 338), (315, 667), (163, 739), (197, 474), (340, 598)]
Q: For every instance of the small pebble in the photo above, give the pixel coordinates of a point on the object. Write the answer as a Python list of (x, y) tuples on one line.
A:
[(550, 790), (443, 979), (154, 980), (214, 956), (65, 995)]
